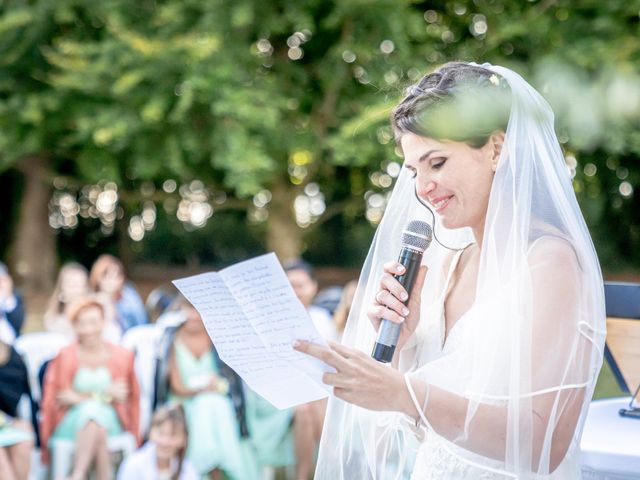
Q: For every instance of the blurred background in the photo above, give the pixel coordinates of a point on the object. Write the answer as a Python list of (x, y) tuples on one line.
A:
[(185, 135)]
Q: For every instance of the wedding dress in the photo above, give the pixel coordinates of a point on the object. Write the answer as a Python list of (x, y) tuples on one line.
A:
[(437, 458)]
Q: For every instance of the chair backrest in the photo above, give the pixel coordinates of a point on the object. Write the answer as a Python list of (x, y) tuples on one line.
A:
[(143, 340), (36, 348), (170, 318), (158, 300), (622, 349)]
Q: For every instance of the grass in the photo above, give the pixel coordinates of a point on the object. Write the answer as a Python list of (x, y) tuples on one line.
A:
[(607, 386)]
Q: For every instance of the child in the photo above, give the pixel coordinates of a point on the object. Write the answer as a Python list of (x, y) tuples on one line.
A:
[(162, 457)]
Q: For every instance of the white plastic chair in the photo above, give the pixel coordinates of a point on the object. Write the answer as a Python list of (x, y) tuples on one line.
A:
[(36, 348), (142, 340), (170, 318), (63, 451)]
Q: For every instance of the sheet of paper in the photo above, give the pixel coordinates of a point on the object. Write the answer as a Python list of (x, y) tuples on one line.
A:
[(252, 316)]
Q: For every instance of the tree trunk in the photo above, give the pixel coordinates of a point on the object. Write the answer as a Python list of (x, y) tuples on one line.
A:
[(33, 250), (284, 236), (124, 242)]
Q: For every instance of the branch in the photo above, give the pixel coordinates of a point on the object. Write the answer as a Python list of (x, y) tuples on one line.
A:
[(26, 166), (333, 210), (321, 115)]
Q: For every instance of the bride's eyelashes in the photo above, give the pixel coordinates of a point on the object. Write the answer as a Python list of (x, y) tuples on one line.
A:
[(438, 163), (412, 171)]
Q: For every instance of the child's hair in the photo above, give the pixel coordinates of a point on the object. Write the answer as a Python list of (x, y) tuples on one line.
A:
[(173, 413)]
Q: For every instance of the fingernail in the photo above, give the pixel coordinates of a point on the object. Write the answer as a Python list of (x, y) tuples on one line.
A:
[(400, 269), (296, 343), (401, 319), (404, 295), (405, 311)]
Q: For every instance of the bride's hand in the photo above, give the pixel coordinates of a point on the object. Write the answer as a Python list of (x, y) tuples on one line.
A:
[(389, 302), (359, 379)]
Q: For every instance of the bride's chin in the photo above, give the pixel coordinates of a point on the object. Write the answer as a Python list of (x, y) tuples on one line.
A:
[(446, 222), (449, 223)]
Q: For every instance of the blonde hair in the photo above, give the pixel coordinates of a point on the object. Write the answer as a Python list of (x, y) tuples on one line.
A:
[(56, 305), (175, 415)]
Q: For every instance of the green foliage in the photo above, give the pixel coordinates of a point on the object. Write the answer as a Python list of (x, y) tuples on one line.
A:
[(249, 94)]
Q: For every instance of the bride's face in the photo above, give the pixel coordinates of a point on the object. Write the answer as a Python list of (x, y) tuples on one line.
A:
[(454, 178)]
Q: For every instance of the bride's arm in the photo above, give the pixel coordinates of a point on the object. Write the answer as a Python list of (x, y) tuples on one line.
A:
[(487, 433), (544, 419), (549, 419)]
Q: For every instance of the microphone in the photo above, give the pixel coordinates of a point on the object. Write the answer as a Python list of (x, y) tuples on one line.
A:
[(416, 238)]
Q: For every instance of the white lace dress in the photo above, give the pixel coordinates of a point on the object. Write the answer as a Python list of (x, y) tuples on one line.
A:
[(438, 458)]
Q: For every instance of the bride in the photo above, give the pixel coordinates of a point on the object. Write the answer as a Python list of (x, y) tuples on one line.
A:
[(501, 340)]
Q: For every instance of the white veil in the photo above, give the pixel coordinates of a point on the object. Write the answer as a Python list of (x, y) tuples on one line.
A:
[(522, 374)]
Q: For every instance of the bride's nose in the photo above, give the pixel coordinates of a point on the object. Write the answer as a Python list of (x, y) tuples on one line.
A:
[(424, 188)]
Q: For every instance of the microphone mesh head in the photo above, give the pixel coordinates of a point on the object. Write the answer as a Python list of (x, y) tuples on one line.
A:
[(417, 235)]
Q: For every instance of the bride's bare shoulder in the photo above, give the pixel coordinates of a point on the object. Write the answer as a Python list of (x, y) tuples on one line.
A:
[(554, 252)]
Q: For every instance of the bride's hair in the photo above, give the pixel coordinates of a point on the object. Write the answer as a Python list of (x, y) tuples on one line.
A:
[(459, 101)]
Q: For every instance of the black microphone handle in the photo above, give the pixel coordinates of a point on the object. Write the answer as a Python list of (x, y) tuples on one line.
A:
[(389, 331)]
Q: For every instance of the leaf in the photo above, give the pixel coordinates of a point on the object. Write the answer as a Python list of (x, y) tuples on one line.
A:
[(127, 81), (15, 19)]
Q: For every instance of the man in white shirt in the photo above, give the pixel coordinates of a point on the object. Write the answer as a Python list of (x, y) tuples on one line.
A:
[(305, 286)]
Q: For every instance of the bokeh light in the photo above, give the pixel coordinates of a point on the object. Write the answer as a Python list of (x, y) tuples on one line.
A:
[(309, 205)]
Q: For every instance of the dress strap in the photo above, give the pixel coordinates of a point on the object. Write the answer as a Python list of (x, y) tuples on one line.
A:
[(182, 351), (445, 292)]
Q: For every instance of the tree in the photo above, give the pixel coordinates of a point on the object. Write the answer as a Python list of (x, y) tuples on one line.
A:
[(258, 106)]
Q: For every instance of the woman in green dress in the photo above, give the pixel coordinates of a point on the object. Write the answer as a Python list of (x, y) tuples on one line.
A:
[(271, 432), (216, 443), (90, 393)]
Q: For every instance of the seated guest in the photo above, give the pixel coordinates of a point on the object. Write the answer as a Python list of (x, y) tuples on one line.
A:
[(90, 393), (163, 456), (271, 432), (72, 283), (107, 278), (11, 308), (16, 436), (213, 399), (309, 417), (344, 306), (159, 301), (303, 280)]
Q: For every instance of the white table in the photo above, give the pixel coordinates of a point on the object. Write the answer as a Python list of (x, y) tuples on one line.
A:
[(610, 443)]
